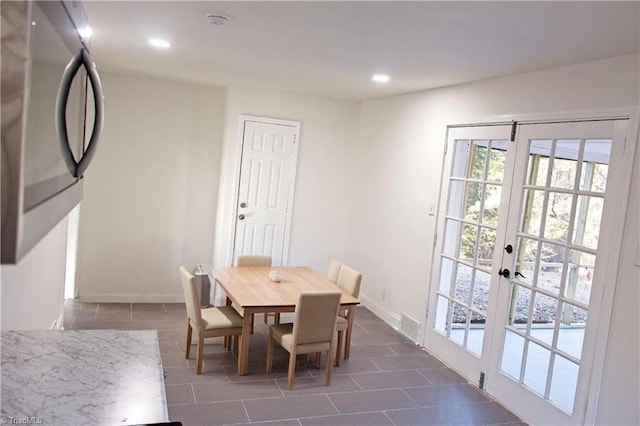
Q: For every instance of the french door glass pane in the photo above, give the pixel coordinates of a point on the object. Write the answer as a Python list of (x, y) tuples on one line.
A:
[(557, 214), (459, 168), (463, 284), (478, 159), (571, 331), (442, 312), (480, 298), (596, 155), (456, 188), (495, 171), (492, 196), (580, 276), (586, 230), (527, 257), (451, 230), (538, 170), (521, 305), (537, 362), (486, 246), (475, 335), (472, 205), (532, 214), (563, 383), (544, 314), (468, 242), (445, 277), (512, 355), (550, 267)]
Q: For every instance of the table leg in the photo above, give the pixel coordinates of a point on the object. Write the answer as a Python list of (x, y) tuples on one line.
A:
[(245, 338)]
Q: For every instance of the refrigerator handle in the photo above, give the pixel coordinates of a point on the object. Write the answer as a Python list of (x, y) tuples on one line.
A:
[(81, 59)]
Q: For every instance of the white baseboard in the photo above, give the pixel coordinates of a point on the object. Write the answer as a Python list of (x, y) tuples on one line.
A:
[(387, 316), (131, 298), (58, 324)]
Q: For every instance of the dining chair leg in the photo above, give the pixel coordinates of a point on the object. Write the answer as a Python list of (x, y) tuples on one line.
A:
[(269, 352), (187, 349), (329, 364), (318, 359), (199, 356), (339, 348), (347, 342), (292, 369), (276, 319), (236, 342)]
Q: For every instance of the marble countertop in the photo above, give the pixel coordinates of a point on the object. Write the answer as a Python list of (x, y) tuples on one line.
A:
[(82, 377)]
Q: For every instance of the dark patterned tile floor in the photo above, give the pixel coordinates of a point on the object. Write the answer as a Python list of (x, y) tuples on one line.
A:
[(387, 380)]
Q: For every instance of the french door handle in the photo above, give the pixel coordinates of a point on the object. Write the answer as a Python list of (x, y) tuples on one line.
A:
[(518, 273), (505, 273), (241, 216), (509, 248)]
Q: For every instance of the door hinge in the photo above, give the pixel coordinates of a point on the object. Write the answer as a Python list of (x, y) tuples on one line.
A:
[(435, 239), (446, 147), (481, 382), (514, 126)]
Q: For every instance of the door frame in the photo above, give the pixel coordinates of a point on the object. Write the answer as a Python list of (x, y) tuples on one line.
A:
[(620, 197), (292, 179)]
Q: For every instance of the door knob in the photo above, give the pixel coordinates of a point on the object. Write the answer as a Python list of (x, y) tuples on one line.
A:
[(504, 272), (243, 205), (241, 216), (509, 248)]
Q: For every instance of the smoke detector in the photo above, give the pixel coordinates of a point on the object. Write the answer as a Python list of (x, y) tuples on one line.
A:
[(217, 19)]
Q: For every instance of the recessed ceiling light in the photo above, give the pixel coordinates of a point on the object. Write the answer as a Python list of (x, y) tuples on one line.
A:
[(85, 32), (380, 78), (160, 44)]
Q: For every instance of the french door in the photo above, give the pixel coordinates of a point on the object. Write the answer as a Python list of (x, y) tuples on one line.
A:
[(522, 260)]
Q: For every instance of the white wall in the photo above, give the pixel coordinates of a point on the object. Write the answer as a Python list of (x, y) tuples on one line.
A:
[(400, 148), (150, 193), (621, 381), (325, 171), (33, 289)]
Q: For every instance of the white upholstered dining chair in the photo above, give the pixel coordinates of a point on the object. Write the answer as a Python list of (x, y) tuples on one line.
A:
[(312, 330), (253, 260), (207, 322), (349, 280), (334, 270), (256, 260)]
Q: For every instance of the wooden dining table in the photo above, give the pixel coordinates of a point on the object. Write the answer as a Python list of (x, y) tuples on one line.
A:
[(251, 290)]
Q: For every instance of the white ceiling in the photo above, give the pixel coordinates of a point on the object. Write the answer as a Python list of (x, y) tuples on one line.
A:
[(332, 48)]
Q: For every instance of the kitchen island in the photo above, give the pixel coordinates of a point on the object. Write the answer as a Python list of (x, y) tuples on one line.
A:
[(82, 377)]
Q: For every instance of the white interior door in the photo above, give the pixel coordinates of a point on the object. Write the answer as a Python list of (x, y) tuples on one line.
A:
[(522, 270), (265, 188)]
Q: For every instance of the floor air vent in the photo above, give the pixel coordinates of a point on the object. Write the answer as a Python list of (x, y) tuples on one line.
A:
[(409, 327)]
